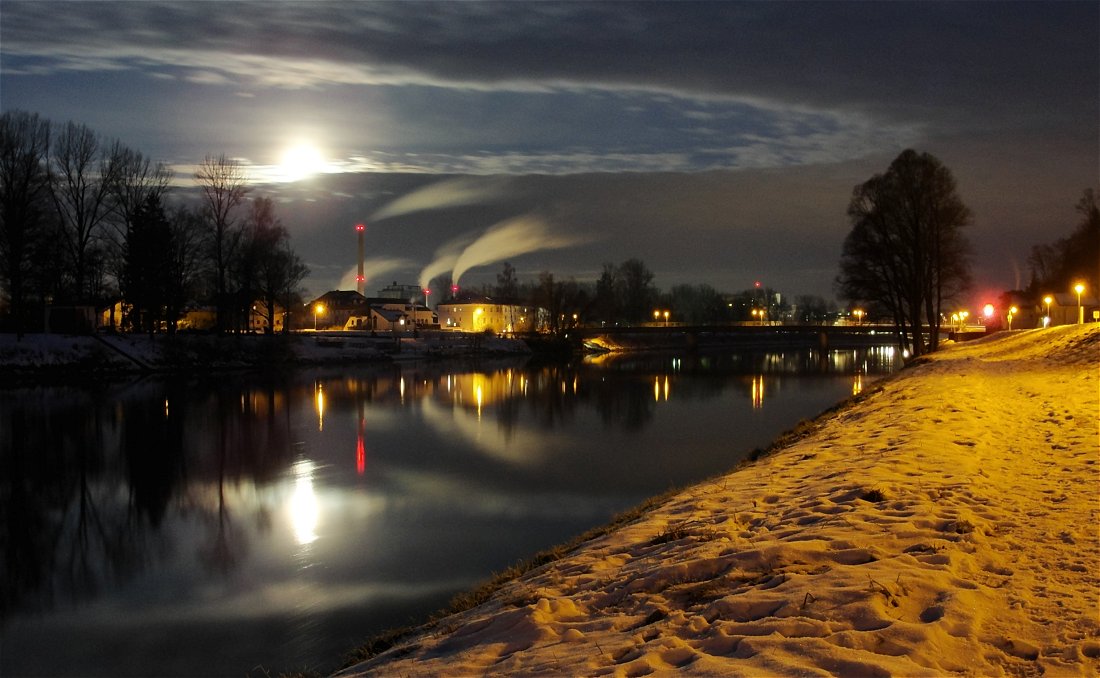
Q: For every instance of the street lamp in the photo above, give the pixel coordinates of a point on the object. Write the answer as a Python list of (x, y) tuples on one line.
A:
[(1011, 312), (1047, 300), (656, 316), (318, 309), (666, 318), (858, 313), (1079, 288)]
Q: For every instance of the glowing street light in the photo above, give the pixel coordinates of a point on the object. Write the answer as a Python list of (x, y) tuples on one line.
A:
[(666, 318), (1047, 300), (858, 313), (1079, 288), (318, 309), (656, 316), (960, 317), (1011, 312)]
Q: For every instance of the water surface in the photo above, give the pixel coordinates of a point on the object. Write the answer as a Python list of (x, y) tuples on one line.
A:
[(267, 523)]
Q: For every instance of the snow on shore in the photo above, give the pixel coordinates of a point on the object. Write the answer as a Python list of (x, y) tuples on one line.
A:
[(36, 354), (948, 523)]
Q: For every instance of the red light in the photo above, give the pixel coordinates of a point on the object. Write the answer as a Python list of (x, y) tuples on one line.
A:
[(757, 283), (454, 288), (427, 291), (360, 227), (360, 278), (988, 310)]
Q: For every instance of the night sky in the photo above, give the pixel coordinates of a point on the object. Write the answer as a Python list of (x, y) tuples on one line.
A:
[(718, 142)]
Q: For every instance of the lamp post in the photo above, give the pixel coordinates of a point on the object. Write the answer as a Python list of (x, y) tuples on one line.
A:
[(1047, 300), (666, 318), (318, 309), (858, 313), (1079, 288), (1011, 312)]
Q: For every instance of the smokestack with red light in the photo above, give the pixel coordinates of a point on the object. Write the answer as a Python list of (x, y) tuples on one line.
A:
[(360, 279)]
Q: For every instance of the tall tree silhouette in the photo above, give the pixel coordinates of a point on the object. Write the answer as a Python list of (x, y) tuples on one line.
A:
[(906, 254), (24, 204), (224, 189)]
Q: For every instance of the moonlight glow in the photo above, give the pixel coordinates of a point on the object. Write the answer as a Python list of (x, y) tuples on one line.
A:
[(300, 161)]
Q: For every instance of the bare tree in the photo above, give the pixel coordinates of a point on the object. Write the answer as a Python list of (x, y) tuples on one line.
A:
[(224, 188), (83, 174), (635, 292), (268, 270), (507, 286), (281, 274), (24, 192), (906, 254), (136, 180)]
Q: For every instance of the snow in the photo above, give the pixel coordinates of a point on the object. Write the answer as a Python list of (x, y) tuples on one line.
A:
[(37, 354), (944, 523)]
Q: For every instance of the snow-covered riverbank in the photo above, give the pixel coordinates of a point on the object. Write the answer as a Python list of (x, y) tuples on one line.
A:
[(107, 353), (946, 523)]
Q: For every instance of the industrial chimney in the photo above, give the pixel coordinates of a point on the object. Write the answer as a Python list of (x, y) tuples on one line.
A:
[(360, 279)]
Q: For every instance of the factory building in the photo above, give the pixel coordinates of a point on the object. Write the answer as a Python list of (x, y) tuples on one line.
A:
[(483, 314)]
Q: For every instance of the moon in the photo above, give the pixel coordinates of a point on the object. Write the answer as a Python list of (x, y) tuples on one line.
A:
[(301, 161)]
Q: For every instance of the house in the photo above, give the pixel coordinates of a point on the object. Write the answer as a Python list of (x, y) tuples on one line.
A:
[(483, 314), (333, 309), (1064, 311), (388, 315)]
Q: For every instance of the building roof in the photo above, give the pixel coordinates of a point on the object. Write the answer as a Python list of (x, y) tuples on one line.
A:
[(341, 299), (1070, 299)]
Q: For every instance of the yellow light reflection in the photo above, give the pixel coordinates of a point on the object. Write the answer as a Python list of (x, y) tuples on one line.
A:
[(857, 384), (758, 392), (656, 387), (303, 504), (479, 396), (401, 388), (319, 399), (666, 387)]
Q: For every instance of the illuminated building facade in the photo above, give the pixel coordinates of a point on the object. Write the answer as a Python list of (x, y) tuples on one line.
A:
[(482, 314)]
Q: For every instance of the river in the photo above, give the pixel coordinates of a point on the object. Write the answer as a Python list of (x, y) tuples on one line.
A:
[(264, 523)]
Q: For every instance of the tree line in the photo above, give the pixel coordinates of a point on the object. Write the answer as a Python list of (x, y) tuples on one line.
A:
[(624, 294), (1056, 266), (85, 220)]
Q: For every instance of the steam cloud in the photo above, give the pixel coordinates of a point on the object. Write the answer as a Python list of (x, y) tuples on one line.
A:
[(441, 195), (510, 238), (375, 268), (445, 258)]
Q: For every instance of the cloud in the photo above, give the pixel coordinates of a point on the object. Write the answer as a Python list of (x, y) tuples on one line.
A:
[(887, 57)]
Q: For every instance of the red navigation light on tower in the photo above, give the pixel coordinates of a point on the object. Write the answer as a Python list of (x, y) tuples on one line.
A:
[(360, 279)]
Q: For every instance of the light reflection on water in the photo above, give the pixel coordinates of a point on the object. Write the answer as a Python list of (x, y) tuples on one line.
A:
[(186, 527)]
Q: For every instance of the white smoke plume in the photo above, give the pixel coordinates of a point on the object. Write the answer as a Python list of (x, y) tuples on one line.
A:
[(445, 258), (374, 269), (510, 238), (443, 194)]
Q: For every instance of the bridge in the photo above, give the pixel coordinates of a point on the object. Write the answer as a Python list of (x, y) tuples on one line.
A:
[(691, 337)]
